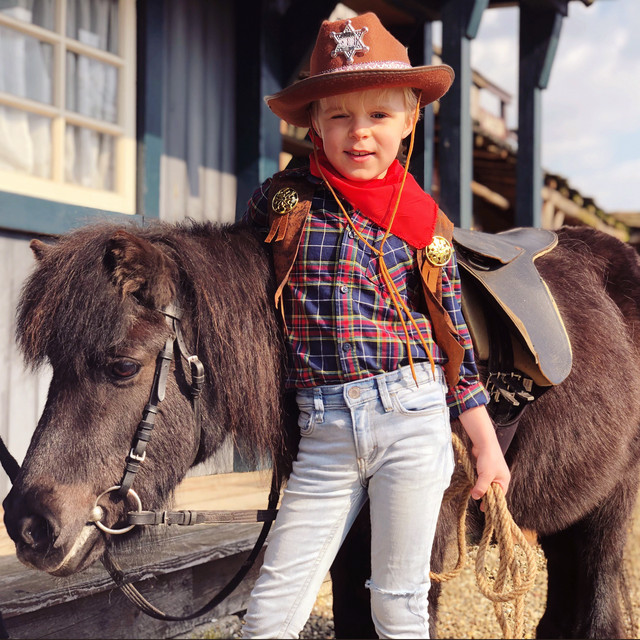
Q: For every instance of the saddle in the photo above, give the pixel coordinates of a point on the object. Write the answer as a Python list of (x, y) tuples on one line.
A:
[(512, 317)]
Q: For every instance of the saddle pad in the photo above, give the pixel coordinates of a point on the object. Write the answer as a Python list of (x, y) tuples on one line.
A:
[(502, 266)]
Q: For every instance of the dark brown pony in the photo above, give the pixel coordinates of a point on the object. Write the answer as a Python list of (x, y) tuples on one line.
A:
[(91, 308)]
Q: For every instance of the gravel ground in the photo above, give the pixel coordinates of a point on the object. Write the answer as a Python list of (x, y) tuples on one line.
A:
[(464, 612)]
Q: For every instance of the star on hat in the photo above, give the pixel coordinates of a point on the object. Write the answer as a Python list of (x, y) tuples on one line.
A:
[(349, 42)]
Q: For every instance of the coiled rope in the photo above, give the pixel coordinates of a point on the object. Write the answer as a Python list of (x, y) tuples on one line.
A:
[(516, 571)]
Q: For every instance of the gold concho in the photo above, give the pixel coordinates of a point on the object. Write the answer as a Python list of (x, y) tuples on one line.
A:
[(439, 251), (285, 200)]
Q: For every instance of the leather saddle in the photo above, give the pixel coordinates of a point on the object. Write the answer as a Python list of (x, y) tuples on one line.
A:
[(512, 317)]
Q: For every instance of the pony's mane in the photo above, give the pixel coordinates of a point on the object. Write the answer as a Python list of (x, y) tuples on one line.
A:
[(72, 314)]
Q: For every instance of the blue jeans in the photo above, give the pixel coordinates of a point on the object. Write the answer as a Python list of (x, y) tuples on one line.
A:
[(379, 438)]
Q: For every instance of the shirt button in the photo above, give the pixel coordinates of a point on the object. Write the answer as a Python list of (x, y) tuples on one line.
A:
[(344, 288), (346, 346), (351, 234)]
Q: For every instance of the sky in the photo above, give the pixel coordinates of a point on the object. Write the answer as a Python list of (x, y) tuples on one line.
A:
[(591, 107)]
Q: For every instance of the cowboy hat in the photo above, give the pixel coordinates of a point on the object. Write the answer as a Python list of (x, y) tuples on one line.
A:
[(356, 55)]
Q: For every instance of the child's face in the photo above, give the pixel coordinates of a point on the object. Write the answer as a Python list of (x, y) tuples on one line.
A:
[(362, 131)]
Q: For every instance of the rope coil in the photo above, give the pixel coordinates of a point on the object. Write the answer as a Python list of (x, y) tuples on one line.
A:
[(516, 571)]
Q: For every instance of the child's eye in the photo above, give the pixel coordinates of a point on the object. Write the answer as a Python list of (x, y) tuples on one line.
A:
[(378, 115)]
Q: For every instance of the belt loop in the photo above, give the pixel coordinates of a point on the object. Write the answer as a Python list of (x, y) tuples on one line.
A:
[(383, 390), (318, 405)]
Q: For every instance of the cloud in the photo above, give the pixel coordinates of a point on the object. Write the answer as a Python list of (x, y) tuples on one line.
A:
[(591, 108)]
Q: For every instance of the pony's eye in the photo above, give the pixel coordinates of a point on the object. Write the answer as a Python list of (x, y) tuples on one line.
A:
[(124, 369)]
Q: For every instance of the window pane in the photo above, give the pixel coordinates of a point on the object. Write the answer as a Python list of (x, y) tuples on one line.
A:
[(89, 158), (92, 88), (26, 66), (94, 22), (40, 12), (25, 142)]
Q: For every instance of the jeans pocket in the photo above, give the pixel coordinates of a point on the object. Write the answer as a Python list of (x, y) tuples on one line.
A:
[(306, 421), (424, 400)]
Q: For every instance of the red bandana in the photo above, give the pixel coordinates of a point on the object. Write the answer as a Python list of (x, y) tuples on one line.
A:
[(415, 219)]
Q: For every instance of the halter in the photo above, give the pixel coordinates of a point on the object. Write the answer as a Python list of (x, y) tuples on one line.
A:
[(175, 344), (137, 454)]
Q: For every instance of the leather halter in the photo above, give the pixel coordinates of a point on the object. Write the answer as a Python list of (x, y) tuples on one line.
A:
[(175, 342)]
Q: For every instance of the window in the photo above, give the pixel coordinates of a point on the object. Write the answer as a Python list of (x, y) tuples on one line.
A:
[(67, 101)]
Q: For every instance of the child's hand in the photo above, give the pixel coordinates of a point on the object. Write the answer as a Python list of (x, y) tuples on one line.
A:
[(490, 463), (491, 467)]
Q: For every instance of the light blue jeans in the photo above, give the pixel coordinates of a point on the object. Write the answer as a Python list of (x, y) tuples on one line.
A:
[(383, 438)]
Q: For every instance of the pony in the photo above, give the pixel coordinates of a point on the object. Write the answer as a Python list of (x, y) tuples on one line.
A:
[(94, 309)]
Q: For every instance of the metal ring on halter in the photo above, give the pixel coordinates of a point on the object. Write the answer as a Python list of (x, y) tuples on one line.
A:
[(97, 512)]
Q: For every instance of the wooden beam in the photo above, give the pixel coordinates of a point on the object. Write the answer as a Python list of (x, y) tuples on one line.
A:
[(490, 196), (460, 20), (539, 35)]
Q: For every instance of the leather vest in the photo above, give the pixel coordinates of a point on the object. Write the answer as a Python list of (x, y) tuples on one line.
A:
[(290, 197)]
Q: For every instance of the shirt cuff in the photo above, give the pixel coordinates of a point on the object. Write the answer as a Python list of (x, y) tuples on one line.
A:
[(465, 396)]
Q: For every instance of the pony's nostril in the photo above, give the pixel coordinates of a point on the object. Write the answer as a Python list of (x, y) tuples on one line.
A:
[(36, 532)]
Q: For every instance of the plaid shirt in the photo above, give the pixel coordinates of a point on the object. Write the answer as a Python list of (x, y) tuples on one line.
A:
[(341, 322)]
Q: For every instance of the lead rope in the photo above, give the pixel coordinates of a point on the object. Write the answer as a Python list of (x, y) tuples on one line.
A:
[(516, 572), (394, 294)]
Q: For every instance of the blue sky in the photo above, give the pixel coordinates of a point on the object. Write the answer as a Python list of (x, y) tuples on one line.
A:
[(591, 108)]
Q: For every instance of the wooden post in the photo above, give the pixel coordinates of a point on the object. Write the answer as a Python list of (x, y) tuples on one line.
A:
[(150, 74), (460, 22), (421, 53), (539, 35), (257, 75)]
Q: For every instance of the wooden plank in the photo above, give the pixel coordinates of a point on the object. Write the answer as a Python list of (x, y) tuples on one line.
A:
[(170, 550), (110, 615)]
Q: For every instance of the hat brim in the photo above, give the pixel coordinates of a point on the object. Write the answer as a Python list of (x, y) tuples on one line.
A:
[(292, 103)]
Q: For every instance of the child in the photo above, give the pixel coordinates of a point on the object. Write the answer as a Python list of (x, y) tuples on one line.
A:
[(380, 355)]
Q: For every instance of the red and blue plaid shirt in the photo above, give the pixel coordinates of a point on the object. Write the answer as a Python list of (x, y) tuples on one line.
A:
[(341, 322)]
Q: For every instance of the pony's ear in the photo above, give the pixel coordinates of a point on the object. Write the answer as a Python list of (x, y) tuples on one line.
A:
[(140, 269), (39, 248)]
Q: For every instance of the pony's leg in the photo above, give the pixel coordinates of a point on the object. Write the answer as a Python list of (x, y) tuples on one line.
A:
[(349, 571), (585, 565)]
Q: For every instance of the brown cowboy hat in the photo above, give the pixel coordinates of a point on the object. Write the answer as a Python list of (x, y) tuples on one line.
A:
[(355, 55)]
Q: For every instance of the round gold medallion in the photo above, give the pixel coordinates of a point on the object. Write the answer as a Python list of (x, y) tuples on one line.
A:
[(439, 251), (284, 201)]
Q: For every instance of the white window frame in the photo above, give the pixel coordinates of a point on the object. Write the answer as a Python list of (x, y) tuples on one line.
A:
[(123, 198)]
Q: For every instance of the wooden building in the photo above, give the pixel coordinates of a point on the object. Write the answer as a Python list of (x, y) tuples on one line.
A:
[(133, 111)]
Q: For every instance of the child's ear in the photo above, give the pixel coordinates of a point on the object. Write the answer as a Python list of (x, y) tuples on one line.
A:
[(411, 117)]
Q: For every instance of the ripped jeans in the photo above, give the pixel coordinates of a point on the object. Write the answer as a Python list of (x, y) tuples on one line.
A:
[(379, 438)]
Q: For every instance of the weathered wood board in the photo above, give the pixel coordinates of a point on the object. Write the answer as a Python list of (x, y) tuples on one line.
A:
[(177, 568)]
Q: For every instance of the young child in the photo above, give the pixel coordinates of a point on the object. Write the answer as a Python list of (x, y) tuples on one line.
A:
[(379, 352)]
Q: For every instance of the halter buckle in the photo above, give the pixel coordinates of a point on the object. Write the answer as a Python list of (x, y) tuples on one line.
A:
[(135, 456)]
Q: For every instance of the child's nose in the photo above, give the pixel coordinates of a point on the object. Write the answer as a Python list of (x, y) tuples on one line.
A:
[(359, 129)]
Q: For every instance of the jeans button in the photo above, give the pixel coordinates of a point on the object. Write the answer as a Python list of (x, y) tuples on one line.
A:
[(354, 393)]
